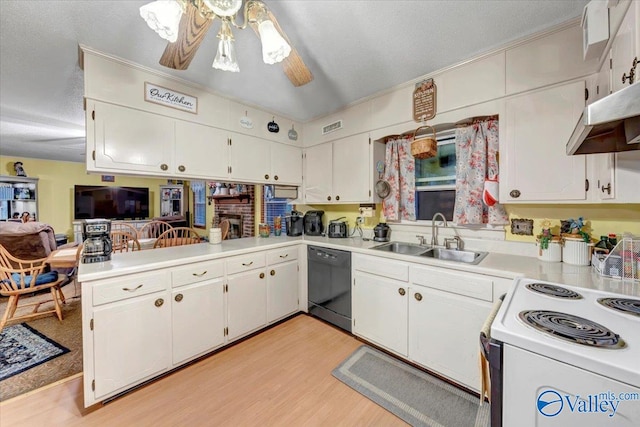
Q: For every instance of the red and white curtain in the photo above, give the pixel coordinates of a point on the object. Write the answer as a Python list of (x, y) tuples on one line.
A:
[(400, 173)]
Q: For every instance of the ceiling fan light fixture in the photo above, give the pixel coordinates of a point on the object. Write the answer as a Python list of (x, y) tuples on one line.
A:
[(225, 59), (163, 17), (225, 8), (274, 47)]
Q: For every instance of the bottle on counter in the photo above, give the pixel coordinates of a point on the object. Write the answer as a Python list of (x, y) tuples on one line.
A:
[(613, 239), (604, 245)]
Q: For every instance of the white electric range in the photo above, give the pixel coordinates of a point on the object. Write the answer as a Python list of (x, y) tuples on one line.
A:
[(565, 356)]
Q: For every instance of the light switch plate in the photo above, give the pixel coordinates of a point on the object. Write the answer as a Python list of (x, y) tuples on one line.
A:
[(522, 227)]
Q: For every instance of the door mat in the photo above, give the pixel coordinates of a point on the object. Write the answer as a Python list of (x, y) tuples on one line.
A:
[(411, 394), (22, 348)]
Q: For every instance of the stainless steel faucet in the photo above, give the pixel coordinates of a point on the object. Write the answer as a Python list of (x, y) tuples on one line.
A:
[(455, 240), (420, 239), (434, 228)]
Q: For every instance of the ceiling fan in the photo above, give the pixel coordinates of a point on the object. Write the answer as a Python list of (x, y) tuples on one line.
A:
[(184, 23)]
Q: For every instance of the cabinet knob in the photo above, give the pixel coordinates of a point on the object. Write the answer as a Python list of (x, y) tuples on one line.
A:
[(181, 168), (262, 275), (272, 272), (159, 302), (329, 198), (266, 176), (607, 188), (401, 291), (514, 193), (337, 197), (418, 296), (275, 177), (164, 167), (179, 297)]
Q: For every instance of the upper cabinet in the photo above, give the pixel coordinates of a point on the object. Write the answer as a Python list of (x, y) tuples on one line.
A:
[(341, 171), (533, 164), (200, 151), (625, 49)]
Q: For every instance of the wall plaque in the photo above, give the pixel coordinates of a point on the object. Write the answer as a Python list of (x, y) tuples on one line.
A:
[(170, 98), (424, 100)]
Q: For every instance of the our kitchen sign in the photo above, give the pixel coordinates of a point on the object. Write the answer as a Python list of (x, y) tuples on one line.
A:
[(170, 98)]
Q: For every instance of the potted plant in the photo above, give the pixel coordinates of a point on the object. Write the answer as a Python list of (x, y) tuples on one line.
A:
[(546, 252)]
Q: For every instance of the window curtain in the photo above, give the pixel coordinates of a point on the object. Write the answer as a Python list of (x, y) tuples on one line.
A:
[(199, 203), (400, 173), (476, 154)]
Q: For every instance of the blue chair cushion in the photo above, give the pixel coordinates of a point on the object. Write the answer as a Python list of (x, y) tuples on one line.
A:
[(43, 278)]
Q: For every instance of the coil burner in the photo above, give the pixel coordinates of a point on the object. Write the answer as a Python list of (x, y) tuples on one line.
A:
[(553, 290), (572, 328), (624, 305)]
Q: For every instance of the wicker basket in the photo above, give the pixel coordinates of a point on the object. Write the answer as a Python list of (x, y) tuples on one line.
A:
[(424, 146)]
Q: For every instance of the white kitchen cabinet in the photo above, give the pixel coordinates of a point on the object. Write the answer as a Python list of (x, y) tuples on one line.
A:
[(132, 343), (626, 47), (201, 151), (282, 283), (534, 166), (601, 177), (341, 171), (129, 140), (246, 294), (286, 164)]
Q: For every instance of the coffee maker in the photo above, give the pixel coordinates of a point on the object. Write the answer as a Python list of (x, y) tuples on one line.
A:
[(313, 223), (294, 223), (96, 236)]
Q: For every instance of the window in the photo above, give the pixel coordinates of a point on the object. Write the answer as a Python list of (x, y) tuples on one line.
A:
[(273, 207), (436, 180), (199, 204)]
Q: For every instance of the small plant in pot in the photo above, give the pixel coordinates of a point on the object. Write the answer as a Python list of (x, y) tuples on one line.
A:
[(575, 229)]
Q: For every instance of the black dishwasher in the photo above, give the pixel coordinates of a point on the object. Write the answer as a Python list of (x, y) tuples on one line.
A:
[(329, 282)]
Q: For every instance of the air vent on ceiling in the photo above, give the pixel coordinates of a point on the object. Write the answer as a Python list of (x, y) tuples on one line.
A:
[(332, 127)]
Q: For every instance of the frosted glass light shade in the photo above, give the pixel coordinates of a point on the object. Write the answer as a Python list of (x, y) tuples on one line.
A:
[(224, 7), (274, 47), (226, 57), (163, 17)]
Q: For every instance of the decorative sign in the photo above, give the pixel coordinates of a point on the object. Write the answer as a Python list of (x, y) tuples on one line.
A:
[(246, 122), (273, 127), (424, 101), (170, 98), (293, 135)]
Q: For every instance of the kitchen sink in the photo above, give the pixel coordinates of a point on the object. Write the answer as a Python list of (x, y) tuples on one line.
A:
[(402, 248), (469, 257)]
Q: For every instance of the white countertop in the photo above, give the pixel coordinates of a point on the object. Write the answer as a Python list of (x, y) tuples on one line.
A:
[(495, 264)]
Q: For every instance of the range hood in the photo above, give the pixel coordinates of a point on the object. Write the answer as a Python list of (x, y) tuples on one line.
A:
[(609, 125)]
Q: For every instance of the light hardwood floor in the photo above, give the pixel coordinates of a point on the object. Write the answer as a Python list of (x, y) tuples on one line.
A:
[(281, 377)]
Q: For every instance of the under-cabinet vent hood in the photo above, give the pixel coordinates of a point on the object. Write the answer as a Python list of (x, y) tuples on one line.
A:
[(609, 125)]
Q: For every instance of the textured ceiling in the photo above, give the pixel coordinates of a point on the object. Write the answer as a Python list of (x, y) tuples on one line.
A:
[(353, 48)]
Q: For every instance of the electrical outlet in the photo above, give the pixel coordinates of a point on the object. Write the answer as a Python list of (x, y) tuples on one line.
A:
[(366, 212), (360, 220)]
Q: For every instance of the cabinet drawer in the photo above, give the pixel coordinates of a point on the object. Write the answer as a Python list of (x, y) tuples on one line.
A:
[(467, 284), (382, 267), (247, 262), (277, 256), (129, 287), (196, 272)]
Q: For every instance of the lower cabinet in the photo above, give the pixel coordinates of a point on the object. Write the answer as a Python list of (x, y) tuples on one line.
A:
[(246, 302), (131, 343), (282, 291)]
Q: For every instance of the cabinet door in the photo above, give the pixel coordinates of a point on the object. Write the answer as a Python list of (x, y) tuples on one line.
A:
[(601, 179), (624, 48), (132, 140), (352, 169), (250, 157), (197, 313), (286, 164), (380, 311), (534, 166), (246, 302), (132, 342), (282, 291), (443, 333), (201, 151), (318, 176)]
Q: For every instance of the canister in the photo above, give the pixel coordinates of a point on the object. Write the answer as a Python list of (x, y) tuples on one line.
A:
[(576, 251), (215, 236), (553, 252)]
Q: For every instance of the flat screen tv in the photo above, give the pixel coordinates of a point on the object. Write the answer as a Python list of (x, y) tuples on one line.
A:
[(95, 201)]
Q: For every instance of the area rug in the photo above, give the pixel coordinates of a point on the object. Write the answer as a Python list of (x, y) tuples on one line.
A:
[(414, 396), (23, 348)]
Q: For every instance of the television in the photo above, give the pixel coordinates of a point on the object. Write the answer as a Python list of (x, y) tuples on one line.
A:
[(96, 201)]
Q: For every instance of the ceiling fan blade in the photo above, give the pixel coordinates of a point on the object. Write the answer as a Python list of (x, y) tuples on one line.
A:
[(193, 28), (293, 65)]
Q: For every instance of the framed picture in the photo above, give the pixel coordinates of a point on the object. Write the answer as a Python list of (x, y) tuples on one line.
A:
[(170, 98)]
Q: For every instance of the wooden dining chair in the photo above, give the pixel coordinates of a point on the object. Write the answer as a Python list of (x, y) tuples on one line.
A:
[(224, 228), (121, 241), (20, 277), (153, 229), (123, 226), (177, 236)]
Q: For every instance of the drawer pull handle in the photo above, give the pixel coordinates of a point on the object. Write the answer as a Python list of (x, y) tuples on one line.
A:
[(284, 256), (179, 297), (247, 265), (200, 274), (418, 296), (159, 302), (272, 272), (401, 291), (262, 275), (132, 290)]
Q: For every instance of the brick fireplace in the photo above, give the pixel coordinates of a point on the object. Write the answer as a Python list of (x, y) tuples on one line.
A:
[(239, 212)]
